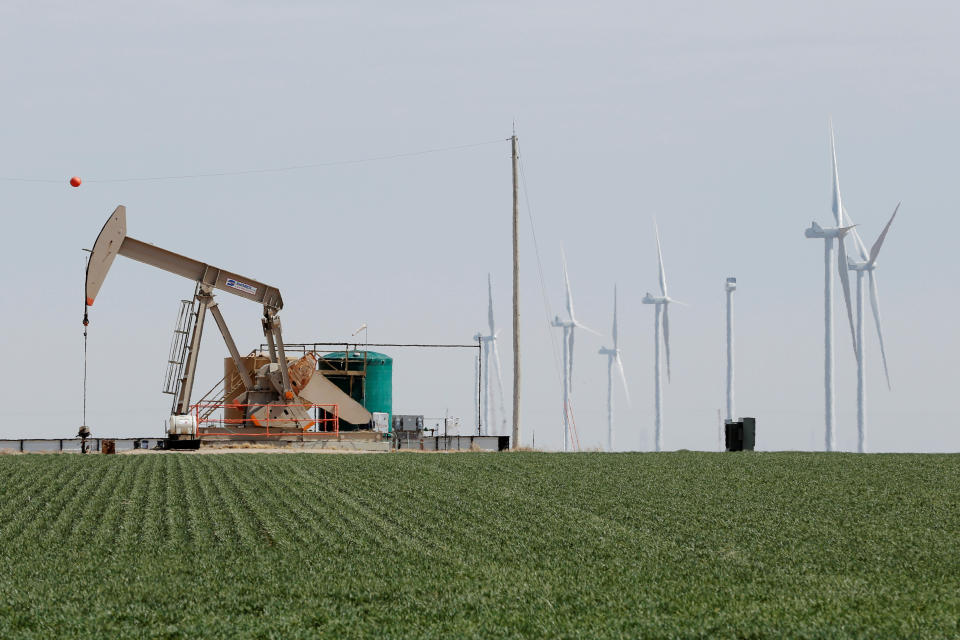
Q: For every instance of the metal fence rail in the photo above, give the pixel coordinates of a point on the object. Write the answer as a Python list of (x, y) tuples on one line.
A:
[(72, 445)]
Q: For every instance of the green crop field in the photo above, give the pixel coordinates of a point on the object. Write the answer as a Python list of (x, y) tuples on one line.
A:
[(590, 545)]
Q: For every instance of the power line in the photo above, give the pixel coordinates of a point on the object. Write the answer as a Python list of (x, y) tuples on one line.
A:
[(241, 172)]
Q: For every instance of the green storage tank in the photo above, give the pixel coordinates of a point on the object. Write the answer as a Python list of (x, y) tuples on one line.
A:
[(374, 390)]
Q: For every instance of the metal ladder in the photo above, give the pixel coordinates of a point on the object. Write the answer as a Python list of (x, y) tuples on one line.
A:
[(179, 347)]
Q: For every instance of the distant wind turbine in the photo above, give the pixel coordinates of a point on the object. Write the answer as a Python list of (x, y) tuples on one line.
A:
[(867, 264), (662, 304), (828, 234), (569, 326), (613, 356), (490, 352)]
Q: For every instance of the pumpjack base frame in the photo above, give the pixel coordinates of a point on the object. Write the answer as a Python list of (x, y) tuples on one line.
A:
[(174, 443)]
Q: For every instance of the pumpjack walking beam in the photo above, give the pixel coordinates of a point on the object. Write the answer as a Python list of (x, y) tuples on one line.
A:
[(113, 240)]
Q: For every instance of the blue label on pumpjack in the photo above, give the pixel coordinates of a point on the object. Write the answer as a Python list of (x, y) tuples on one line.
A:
[(241, 286)]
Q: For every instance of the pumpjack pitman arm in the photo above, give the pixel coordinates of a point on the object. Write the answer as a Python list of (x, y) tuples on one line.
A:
[(113, 240)]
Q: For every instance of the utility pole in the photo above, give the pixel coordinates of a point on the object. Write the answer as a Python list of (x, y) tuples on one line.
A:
[(516, 294)]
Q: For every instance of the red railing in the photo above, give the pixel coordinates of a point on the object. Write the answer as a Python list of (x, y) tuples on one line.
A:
[(211, 420)]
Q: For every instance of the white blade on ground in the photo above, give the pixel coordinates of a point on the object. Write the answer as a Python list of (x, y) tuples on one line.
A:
[(623, 378), (875, 303), (875, 249), (845, 281), (663, 277), (666, 337)]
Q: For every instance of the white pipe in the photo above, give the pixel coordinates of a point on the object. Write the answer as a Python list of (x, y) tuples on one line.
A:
[(657, 428), (830, 439), (730, 411), (861, 386)]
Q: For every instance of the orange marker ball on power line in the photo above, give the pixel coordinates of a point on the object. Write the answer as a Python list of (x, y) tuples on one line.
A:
[(75, 181)]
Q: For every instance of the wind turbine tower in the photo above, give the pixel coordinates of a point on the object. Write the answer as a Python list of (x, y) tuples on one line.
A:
[(490, 352), (661, 303), (568, 326), (827, 234), (613, 356), (730, 287)]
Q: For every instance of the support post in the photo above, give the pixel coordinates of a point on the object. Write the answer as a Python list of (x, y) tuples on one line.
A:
[(281, 356), (516, 296), (186, 382), (231, 346), (268, 334)]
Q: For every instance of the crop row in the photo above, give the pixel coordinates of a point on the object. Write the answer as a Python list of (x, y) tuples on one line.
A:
[(591, 545)]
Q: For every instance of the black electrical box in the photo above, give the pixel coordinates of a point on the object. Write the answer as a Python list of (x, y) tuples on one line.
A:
[(742, 435)]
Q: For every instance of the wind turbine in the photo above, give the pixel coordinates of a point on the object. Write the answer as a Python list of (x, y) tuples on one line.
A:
[(489, 343), (613, 356), (828, 234), (569, 326), (867, 264), (662, 303)]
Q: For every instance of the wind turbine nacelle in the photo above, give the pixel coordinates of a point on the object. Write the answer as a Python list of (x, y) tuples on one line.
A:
[(815, 231), (731, 284)]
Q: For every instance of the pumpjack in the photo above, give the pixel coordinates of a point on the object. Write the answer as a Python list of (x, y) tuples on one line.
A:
[(275, 393)]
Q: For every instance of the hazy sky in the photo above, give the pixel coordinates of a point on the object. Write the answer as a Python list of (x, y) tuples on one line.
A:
[(712, 117)]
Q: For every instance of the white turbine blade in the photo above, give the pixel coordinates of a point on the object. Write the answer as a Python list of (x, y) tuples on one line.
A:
[(580, 325), (875, 249), (623, 378), (875, 303), (570, 359), (666, 337), (615, 337), (837, 204), (566, 282), (663, 277), (861, 248), (490, 305), (845, 281)]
